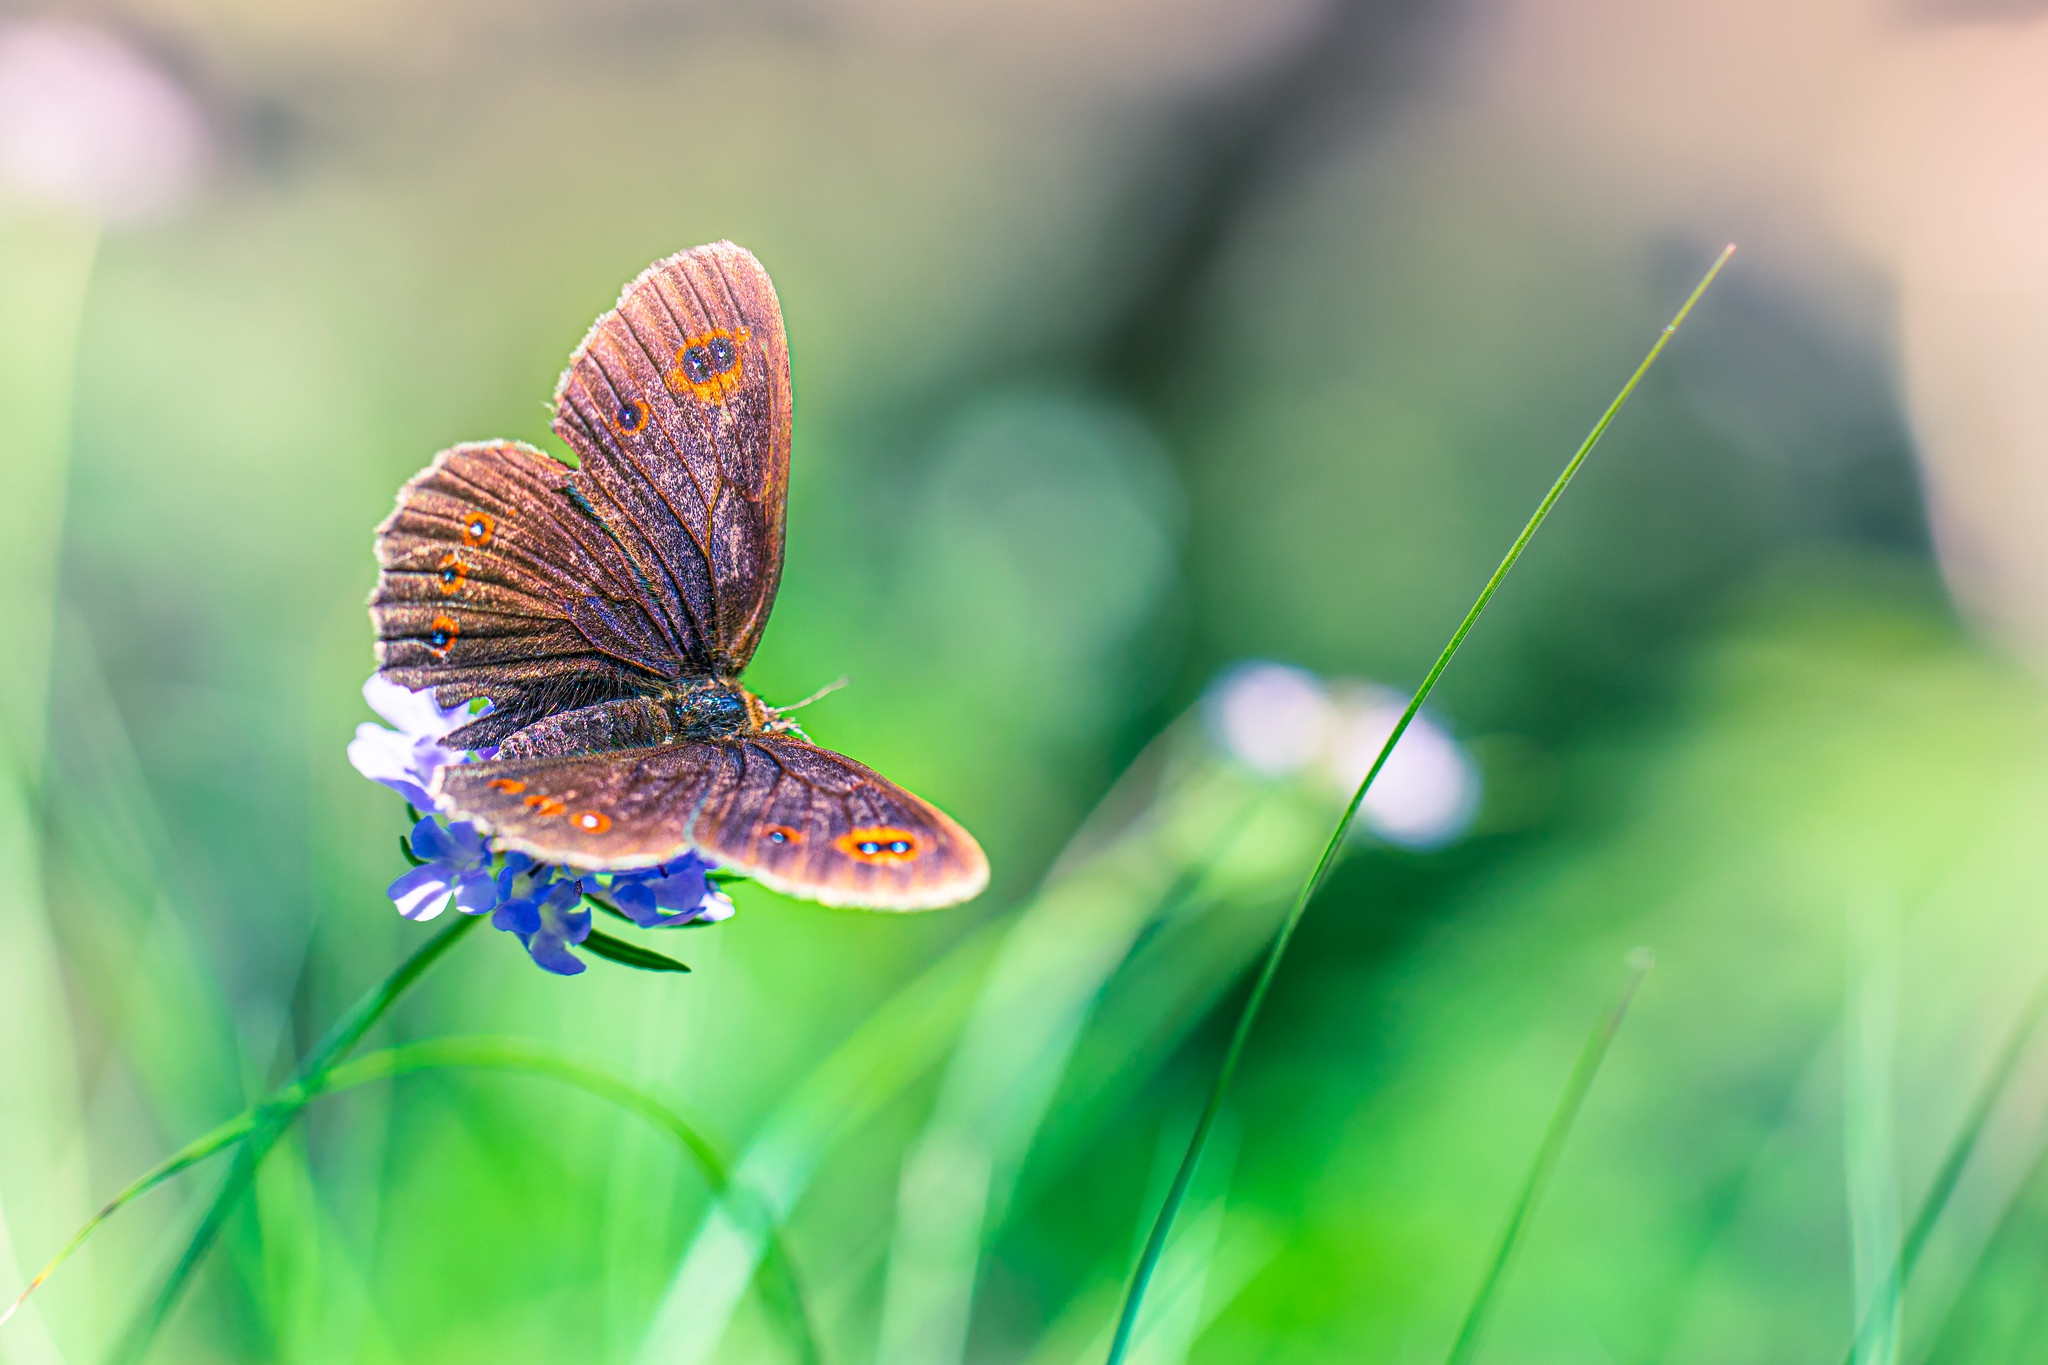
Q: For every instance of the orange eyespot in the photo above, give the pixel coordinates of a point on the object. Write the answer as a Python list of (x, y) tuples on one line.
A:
[(781, 834), (441, 633), (595, 821), (546, 805), (511, 786), (882, 845), (450, 572), (709, 367), (629, 418), (478, 528)]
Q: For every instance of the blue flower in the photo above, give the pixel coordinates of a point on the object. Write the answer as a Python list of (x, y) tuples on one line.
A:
[(457, 869), (542, 904), (548, 918), (678, 892), (405, 759)]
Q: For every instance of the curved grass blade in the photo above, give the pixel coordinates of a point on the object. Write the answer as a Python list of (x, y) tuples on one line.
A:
[(191, 1154), (269, 1122), (1951, 1170), (1155, 1244), (782, 1289), (630, 954), (1567, 1112)]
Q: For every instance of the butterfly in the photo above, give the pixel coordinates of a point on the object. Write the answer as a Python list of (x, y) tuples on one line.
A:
[(607, 612)]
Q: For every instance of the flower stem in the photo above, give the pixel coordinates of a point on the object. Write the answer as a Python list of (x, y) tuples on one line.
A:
[(1155, 1244), (1568, 1104), (269, 1122)]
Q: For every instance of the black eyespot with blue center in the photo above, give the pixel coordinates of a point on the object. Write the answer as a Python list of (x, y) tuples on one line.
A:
[(709, 359), (441, 633)]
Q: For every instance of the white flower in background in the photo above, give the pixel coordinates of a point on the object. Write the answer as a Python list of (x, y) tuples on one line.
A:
[(89, 123), (1427, 794), (1282, 721), (1272, 718)]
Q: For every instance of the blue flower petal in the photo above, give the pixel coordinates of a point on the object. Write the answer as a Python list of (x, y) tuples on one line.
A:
[(550, 954), (430, 841), (515, 864), (475, 892), (469, 842), (674, 893), (422, 892), (520, 916)]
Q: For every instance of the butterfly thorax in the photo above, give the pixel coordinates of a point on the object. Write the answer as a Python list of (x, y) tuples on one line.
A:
[(692, 709)]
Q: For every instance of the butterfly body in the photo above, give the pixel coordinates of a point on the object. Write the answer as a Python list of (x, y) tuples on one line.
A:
[(709, 709), (607, 612)]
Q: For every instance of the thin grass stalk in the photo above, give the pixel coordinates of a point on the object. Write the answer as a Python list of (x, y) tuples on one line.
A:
[(191, 1154), (782, 1289), (2026, 1192), (1155, 1244), (271, 1121), (1950, 1172), (905, 1038), (1547, 1152)]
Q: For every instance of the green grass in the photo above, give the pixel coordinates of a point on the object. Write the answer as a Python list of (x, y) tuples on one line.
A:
[(1155, 1242)]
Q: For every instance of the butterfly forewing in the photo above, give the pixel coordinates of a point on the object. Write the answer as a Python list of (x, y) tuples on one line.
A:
[(488, 580), (678, 405), (802, 820)]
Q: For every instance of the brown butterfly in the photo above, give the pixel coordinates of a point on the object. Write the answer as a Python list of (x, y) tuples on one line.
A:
[(607, 612)]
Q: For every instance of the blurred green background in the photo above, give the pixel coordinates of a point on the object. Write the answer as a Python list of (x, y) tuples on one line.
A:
[(1128, 341)]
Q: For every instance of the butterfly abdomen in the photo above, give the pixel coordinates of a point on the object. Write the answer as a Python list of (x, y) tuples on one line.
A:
[(709, 709)]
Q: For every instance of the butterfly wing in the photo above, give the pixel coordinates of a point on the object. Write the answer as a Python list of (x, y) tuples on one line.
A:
[(799, 819), (507, 575), (678, 405), (493, 582)]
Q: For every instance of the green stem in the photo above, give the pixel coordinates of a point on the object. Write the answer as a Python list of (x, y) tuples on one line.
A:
[(783, 1292), (270, 1120), (1950, 1171), (1533, 1185), (1155, 1244)]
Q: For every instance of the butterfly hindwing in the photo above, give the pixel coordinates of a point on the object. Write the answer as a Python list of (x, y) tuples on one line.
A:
[(800, 819), (678, 406), (492, 583)]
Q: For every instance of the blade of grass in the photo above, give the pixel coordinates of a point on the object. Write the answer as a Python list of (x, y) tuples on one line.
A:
[(1950, 1172), (1567, 1112), (2011, 1227), (1155, 1244), (782, 1289), (630, 954), (910, 1034), (270, 1122), (191, 1154)]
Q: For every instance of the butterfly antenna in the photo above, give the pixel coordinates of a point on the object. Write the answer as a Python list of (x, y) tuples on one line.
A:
[(782, 724), (827, 690)]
